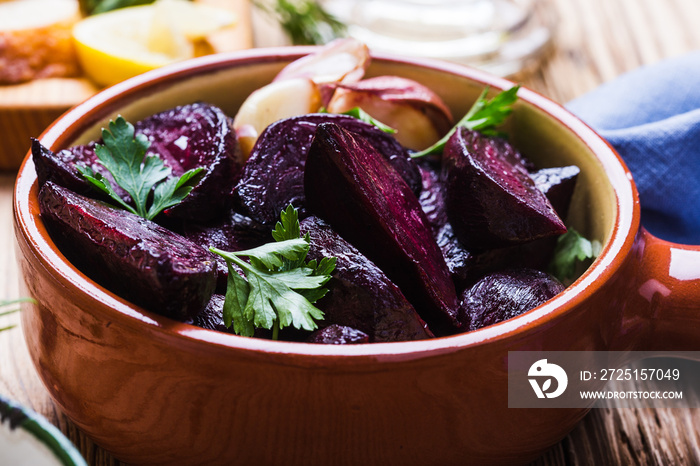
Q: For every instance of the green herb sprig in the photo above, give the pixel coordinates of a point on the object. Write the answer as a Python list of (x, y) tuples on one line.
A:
[(361, 115), (7, 303), (142, 177), (281, 286), (305, 22), (571, 253), (94, 7), (484, 116)]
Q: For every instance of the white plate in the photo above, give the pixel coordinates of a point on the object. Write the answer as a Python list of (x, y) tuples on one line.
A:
[(28, 439)]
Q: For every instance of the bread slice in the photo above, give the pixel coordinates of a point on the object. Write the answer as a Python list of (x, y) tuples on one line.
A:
[(35, 40)]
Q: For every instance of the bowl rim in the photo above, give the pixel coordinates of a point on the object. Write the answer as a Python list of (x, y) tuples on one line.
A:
[(84, 115)]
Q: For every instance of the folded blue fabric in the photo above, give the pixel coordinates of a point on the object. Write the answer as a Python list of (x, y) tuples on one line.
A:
[(652, 118)]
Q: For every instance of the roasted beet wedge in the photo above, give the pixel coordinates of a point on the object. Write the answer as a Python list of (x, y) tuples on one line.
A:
[(492, 202), (233, 233), (432, 197), (460, 262), (558, 185), (59, 168), (273, 177), (129, 255), (338, 335), (350, 185), (360, 295), (198, 135), (504, 295), (465, 266)]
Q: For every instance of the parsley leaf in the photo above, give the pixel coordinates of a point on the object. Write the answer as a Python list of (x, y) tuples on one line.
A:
[(484, 116), (288, 226), (144, 178), (571, 250), (357, 112), (237, 292), (281, 287)]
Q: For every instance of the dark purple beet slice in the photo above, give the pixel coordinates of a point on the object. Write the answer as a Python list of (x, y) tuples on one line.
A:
[(558, 185), (350, 185), (190, 136), (432, 200), (129, 255), (212, 317), (460, 262), (198, 135), (59, 168), (233, 233), (502, 147), (360, 295), (432, 197), (490, 201), (465, 266), (338, 335), (504, 295), (273, 177)]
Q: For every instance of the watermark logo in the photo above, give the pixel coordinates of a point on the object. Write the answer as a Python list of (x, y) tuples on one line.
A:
[(544, 371), (585, 379)]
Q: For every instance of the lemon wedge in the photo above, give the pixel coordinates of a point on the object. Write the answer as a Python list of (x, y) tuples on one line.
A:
[(123, 43)]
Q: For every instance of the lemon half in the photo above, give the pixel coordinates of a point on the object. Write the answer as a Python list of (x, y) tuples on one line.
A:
[(123, 43)]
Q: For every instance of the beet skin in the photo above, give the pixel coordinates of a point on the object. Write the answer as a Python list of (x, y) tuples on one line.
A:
[(273, 177), (558, 185), (129, 255), (198, 135), (360, 295), (338, 335), (491, 200), (350, 185), (503, 295)]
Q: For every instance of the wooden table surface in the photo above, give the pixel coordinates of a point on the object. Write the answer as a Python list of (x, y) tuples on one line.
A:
[(595, 41)]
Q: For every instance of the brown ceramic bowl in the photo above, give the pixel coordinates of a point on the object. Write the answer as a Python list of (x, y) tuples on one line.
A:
[(155, 391)]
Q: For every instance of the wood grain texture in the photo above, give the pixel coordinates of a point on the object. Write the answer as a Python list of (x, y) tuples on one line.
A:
[(595, 41)]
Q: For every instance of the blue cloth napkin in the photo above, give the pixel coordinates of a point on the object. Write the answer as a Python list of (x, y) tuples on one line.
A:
[(652, 118)]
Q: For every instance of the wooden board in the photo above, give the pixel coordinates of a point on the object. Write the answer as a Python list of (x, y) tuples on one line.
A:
[(27, 109)]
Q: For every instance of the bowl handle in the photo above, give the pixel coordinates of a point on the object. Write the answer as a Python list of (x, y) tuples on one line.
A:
[(667, 293)]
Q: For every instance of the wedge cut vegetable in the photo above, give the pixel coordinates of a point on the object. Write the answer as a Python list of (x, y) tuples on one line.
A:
[(360, 295), (490, 198), (506, 294), (123, 43), (157, 269), (351, 186), (273, 177)]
